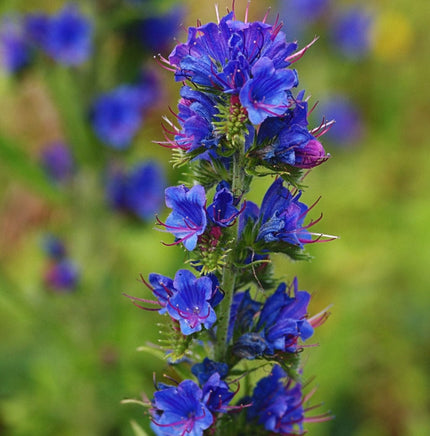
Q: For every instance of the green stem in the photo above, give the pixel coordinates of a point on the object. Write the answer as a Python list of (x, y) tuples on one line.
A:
[(229, 271)]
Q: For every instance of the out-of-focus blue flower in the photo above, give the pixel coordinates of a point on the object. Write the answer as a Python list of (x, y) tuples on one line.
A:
[(282, 216), (15, 52), (277, 404), (116, 182), (65, 36), (349, 124), (157, 33), (54, 247), (203, 371), (145, 189), (57, 160), (180, 410), (188, 218), (139, 192), (299, 15), (62, 276), (116, 116), (190, 303), (352, 32)]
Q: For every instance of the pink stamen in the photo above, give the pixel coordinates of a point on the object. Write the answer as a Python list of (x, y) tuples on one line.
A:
[(299, 54)]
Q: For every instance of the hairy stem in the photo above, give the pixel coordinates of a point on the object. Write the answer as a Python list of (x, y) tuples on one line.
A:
[(229, 271)]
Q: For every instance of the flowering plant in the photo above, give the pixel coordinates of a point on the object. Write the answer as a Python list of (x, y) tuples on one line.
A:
[(238, 118)]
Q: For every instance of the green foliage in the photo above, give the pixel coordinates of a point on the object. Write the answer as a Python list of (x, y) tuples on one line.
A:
[(19, 165)]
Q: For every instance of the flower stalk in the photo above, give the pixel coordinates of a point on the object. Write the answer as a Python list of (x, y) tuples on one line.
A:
[(238, 112)]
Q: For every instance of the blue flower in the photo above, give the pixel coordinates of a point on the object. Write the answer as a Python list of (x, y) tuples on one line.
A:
[(221, 211), (283, 319), (145, 189), (180, 410), (190, 303), (286, 139), (261, 329), (116, 116), (15, 52), (203, 371), (197, 111), (66, 36), (57, 160), (277, 403), (116, 183), (62, 276), (163, 289), (282, 216), (222, 55), (157, 33), (216, 394), (349, 124), (265, 93), (54, 247), (188, 218), (352, 32), (242, 313)]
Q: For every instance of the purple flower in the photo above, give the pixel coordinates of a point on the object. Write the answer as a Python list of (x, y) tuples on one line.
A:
[(15, 51), (116, 116), (222, 55), (62, 276), (188, 218), (283, 319), (216, 394), (57, 160), (247, 60), (265, 93), (163, 288), (242, 313), (286, 140), (282, 216), (66, 36), (261, 329), (180, 411), (221, 211), (197, 111), (190, 303), (277, 403), (203, 371), (352, 32)]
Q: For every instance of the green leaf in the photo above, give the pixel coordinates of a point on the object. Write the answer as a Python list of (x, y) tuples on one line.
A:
[(18, 163), (71, 105)]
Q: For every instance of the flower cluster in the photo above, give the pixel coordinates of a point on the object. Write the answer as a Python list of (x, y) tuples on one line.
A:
[(239, 117)]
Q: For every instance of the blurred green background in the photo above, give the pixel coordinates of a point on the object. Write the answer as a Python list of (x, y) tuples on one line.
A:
[(67, 360)]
